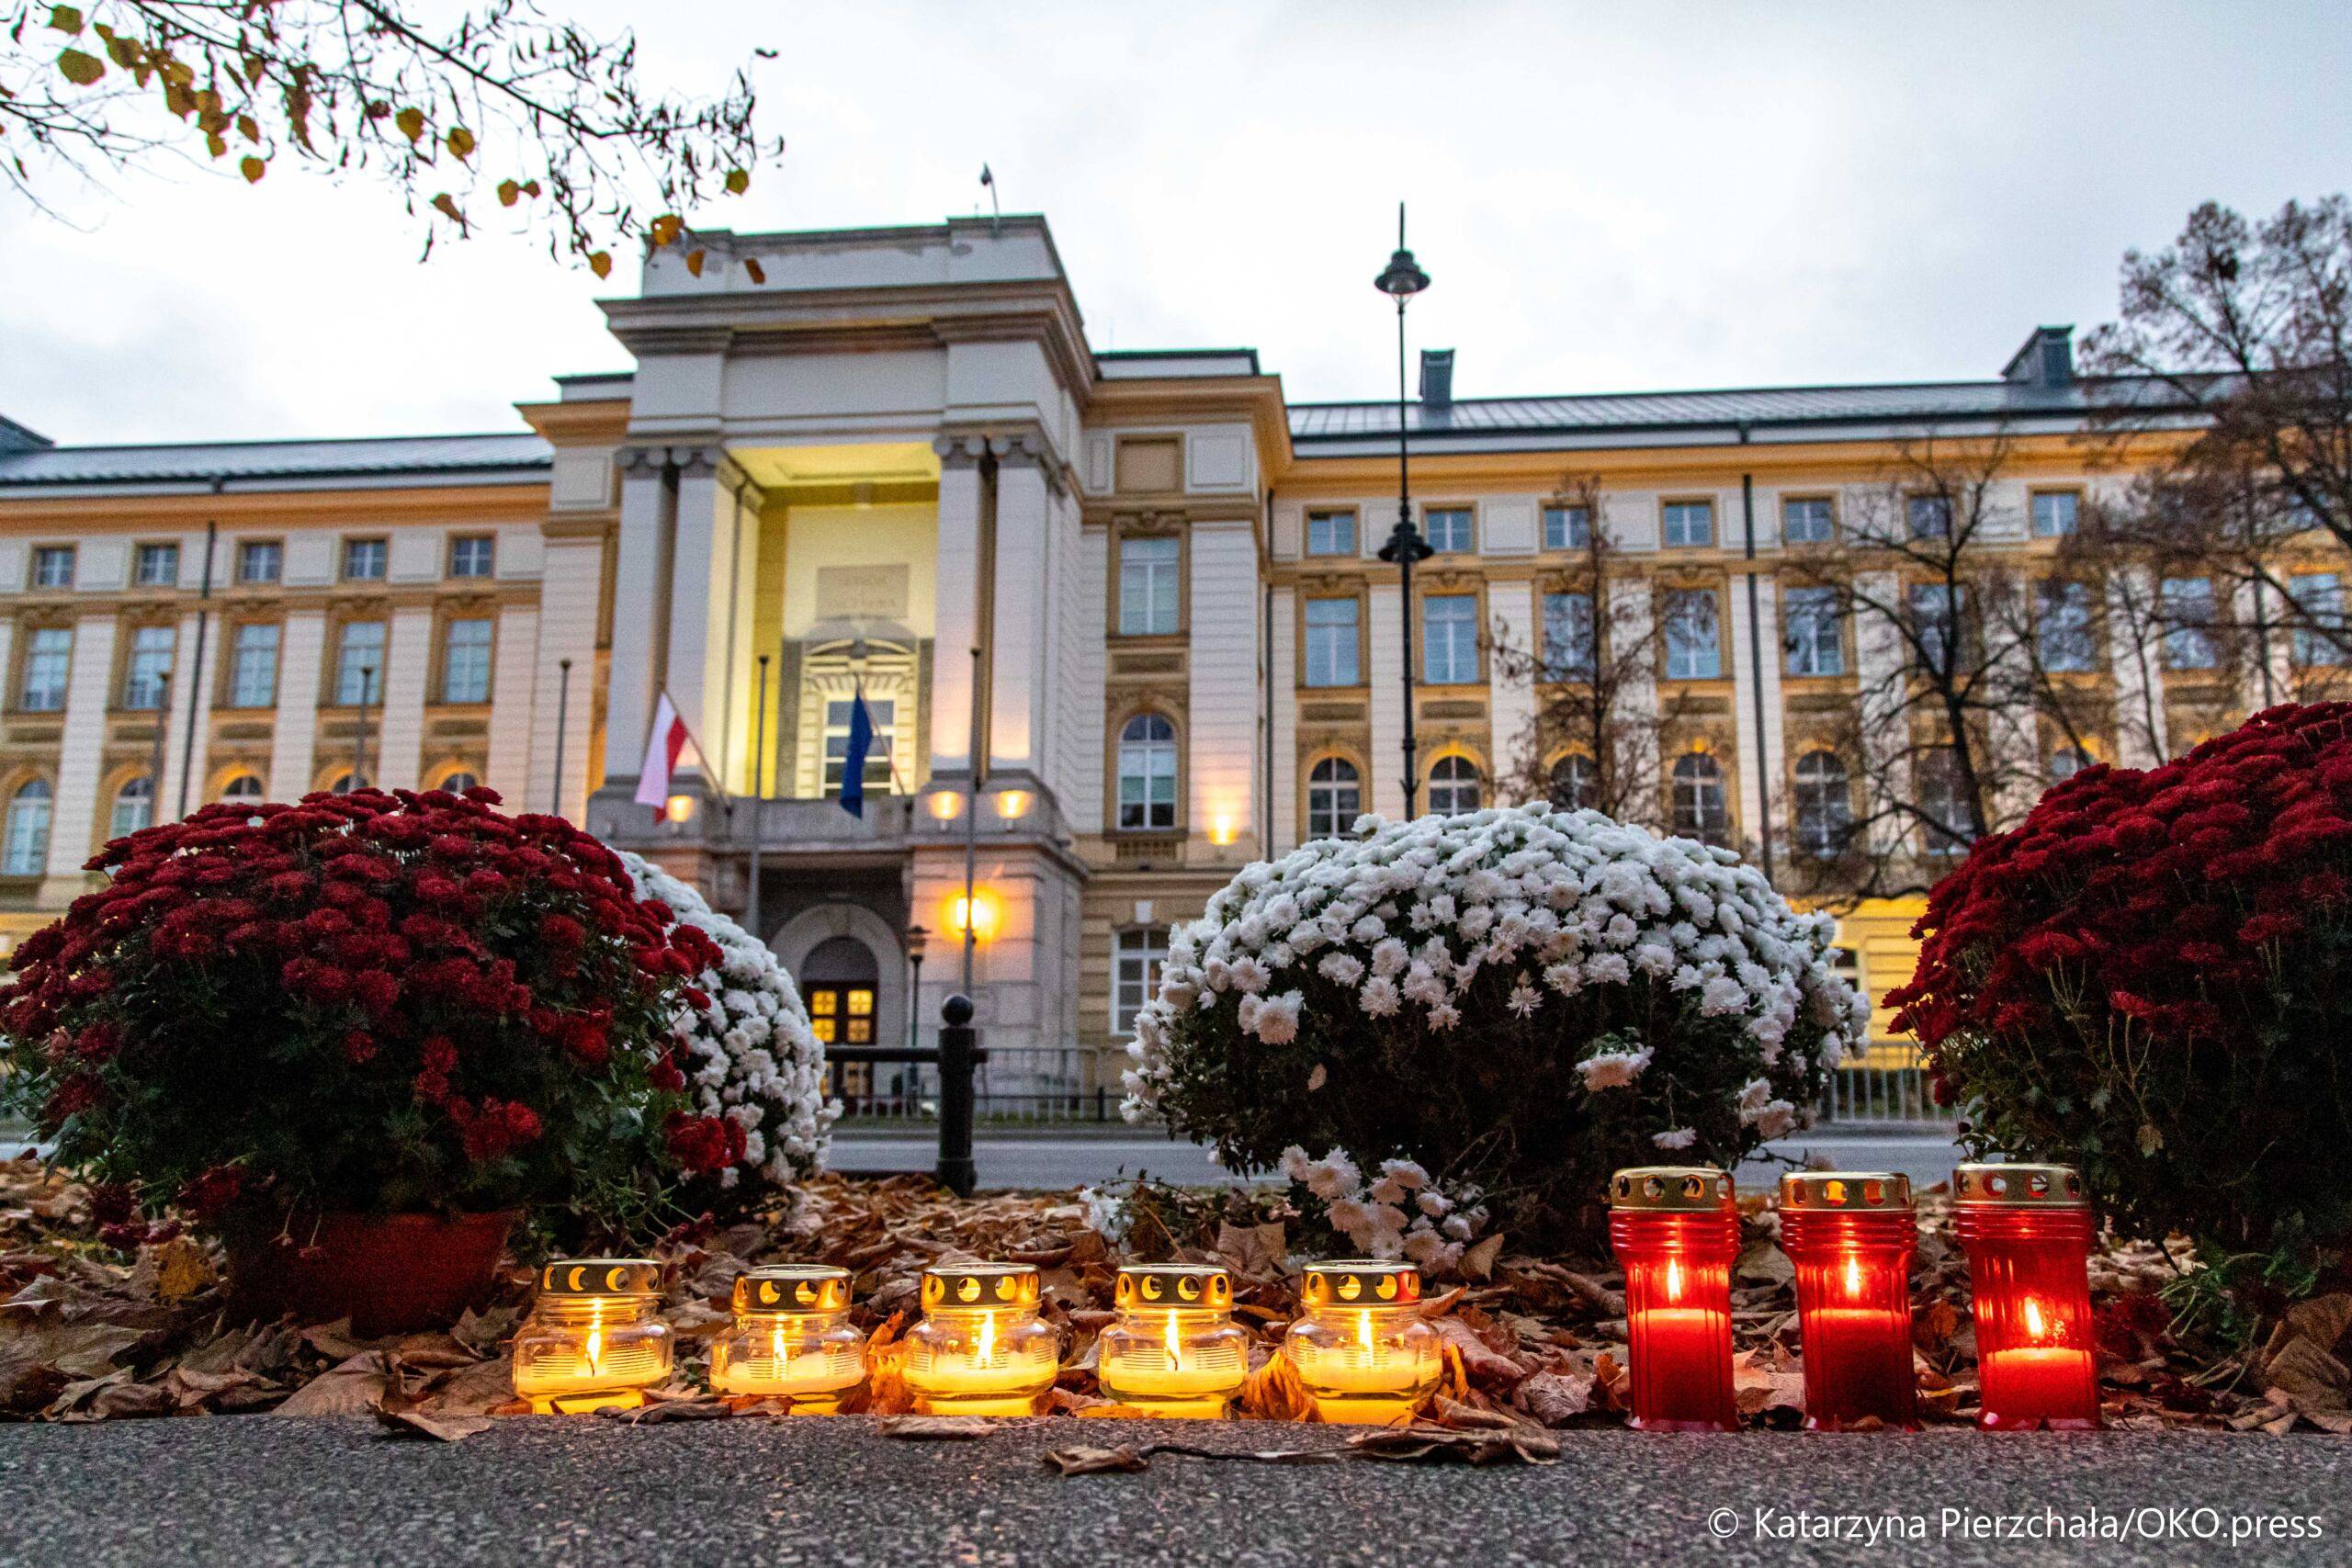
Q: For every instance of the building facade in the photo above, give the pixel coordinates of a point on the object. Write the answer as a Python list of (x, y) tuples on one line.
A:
[(1135, 596)]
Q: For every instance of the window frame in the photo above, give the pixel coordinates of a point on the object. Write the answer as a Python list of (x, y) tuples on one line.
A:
[(1331, 514), (374, 696), (2200, 633), (156, 549), (1828, 504), (1149, 747), (126, 694), (1668, 505), (448, 647), (1468, 512), (1575, 525), (30, 659), (9, 836), (42, 554), (1813, 593), (247, 550), (232, 676), (380, 543), (1666, 620), (488, 542), (1698, 785), (1353, 783), (1152, 571), (1153, 958), (2034, 498), (1453, 783), (1354, 641), (1804, 835), (1552, 667), (1428, 677)]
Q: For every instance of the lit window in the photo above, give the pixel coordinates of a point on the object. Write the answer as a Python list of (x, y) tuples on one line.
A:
[(148, 669), (49, 657), (260, 560), (1701, 811), (158, 565), (1574, 783), (1331, 643), (465, 662), (253, 665), (1149, 571), (134, 808), (363, 559), (1450, 640), (1689, 523), (1447, 529), (1693, 639), (882, 713), (1330, 533), (1567, 636), (2055, 512), (1135, 975), (1811, 633), (1334, 798), (360, 664), (1567, 527), (54, 566), (1824, 806), (1807, 520), (28, 830), (473, 555), (1454, 786), (1148, 774)]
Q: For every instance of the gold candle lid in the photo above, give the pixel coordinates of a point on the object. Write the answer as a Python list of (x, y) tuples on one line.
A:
[(1174, 1285), (793, 1287), (1845, 1192), (1684, 1188), (601, 1277), (1360, 1281), (980, 1285), (2009, 1184)]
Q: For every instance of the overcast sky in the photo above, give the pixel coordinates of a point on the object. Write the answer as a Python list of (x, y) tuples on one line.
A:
[(1630, 197)]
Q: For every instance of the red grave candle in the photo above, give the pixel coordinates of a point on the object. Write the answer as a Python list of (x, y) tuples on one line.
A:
[(1851, 1235), (2028, 1232), (1676, 1233)]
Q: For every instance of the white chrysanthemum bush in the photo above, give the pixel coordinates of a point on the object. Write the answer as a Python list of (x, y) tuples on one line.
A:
[(750, 1055), (1492, 1010)]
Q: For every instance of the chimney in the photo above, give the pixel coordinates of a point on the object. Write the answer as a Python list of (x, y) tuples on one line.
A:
[(1437, 377), (2046, 361)]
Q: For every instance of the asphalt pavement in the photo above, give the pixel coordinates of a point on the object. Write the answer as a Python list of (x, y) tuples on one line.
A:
[(264, 1491)]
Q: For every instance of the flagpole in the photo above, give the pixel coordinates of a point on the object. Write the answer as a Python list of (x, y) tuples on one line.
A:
[(972, 830)]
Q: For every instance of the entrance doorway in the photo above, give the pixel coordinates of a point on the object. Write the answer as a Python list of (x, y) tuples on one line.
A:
[(840, 981)]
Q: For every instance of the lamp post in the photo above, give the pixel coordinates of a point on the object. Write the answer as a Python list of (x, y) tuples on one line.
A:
[(916, 936), (1400, 281)]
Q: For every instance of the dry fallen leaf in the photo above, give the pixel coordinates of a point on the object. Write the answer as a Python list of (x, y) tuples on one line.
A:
[(411, 1422), (938, 1428), (1519, 1445)]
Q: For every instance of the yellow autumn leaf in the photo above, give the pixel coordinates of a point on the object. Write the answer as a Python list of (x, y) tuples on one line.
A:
[(80, 67), (461, 142), (249, 128), (508, 193), (600, 264), (447, 204), (753, 269), (737, 181), (664, 229), (694, 262), (65, 19), (254, 168), (411, 122)]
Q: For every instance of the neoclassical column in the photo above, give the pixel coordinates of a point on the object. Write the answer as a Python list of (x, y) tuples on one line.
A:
[(81, 761), (708, 642), (957, 620), (640, 606)]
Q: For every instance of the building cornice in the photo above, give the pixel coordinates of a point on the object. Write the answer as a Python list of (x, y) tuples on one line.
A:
[(236, 509)]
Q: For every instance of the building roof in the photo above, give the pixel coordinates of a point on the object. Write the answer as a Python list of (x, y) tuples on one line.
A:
[(519, 457)]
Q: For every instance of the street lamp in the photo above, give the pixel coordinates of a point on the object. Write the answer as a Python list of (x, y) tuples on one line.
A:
[(916, 936), (1400, 281)]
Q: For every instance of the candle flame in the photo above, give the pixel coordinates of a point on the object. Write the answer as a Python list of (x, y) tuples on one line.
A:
[(1175, 1348), (1363, 1331), (2033, 1322), (1673, 1279), (596, 1344), (1853, 1280), (775, 1342), (986, 1354)]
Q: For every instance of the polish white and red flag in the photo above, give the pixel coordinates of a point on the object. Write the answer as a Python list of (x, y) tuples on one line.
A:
[(662, 749)]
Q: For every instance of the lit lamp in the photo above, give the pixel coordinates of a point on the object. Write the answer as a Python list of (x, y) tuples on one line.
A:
[(2028, 1232), (1174, 1347), (678, 808), (1359, 1343), (791, 1339), (1851, 1235), (980, 1348), (1676, 1233), (591, 1342)]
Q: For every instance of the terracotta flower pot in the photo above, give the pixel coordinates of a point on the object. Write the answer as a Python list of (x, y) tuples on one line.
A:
[(387, 1273)]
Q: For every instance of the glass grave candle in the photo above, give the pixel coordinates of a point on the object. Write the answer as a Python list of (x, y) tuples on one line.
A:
[(1359, 1343), (1851, 1235), (591, 1342), (1676, 1233), (1173, 1349), (980, 1348), (2028, 1232), (791, 1339)]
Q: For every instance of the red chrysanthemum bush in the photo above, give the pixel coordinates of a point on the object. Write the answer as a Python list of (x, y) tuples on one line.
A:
[(376, 1002), (2151, 978)]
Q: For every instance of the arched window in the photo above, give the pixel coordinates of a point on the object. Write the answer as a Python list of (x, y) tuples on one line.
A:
[(28, 847), (1454, 787), (457, 783), (1700, 811), (1824, 806), (245, 787), (1334, 798), (1148, 774), (134, 808), (1574, 781), (345, 782), (2067, 761)]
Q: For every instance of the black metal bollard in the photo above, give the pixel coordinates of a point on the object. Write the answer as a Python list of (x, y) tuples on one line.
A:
[(958, 1056)]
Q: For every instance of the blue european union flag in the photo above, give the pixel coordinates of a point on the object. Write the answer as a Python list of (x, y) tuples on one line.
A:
[(861, 743)]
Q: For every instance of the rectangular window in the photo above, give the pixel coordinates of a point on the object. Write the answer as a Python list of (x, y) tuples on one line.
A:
[(149, 668), (1929, 516), (49, 657), (1330, 533), (54, 566), (363, 559), (1935, 623), (2319, 637), (1149, 574), (1807, 520), (1447, 528), (1331, 643), (2186, 608), (1567, 527), (1135, 975), (253, 665), (159, 566), (1693, 636), (1450, 640), (1811, 632), (472, 555), (360, 664), (1567, 636), (260, 560), (465, 662), (2054, 513), (2063, 628), (883, 713), (1690, 523)]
